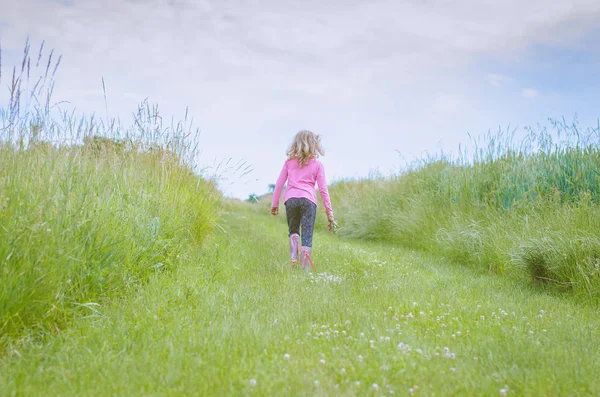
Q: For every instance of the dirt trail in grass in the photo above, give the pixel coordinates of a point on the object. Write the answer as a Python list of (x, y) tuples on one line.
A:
[(372, 320)]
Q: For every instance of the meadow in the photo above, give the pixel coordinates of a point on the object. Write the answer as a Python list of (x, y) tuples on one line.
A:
[(372, 320), (524, 208), (125, 272), (88, 208)]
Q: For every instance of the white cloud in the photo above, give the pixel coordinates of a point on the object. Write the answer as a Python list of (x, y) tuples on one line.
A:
[(497, 80), (529, 93), (259, 70)]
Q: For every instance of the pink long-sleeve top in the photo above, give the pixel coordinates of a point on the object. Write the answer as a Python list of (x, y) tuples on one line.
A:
[(301, 182)]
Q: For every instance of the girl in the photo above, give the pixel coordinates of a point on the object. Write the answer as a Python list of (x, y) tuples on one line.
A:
[(302, 170)]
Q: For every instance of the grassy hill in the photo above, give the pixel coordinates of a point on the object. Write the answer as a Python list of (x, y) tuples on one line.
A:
[(528, 210)]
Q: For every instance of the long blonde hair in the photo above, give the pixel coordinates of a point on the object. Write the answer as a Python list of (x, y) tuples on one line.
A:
[(306, 145)]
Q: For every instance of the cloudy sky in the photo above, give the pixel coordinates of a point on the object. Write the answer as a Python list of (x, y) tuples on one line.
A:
[(374, 78)]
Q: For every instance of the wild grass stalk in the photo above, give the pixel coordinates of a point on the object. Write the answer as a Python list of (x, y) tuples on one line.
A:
[(525, 207), (89, 207)]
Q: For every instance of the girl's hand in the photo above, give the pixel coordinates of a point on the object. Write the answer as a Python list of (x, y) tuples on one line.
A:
[(330, 217), (275, 211), (332, 223)]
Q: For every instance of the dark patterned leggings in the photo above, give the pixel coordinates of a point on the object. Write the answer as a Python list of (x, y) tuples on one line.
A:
[(301, 212)]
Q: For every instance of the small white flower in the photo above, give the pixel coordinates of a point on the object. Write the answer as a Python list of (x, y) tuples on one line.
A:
[(343, 371), (317, 383), (360, 358), (252, 382), (411, 391), (482, 318), (375, 386), (286, 356), (503, 392), (322, 361), (357, 383)]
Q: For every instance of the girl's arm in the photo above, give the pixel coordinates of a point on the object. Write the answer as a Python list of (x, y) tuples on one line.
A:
[(323, 190), (279, 186)]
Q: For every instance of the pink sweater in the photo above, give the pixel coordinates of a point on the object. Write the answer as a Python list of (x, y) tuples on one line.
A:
[(301, 182)]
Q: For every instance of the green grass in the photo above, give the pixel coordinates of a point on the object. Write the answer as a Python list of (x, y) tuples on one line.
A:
[(89, 209), (529, 210), (78, 225), (373, 313), (115, 280)]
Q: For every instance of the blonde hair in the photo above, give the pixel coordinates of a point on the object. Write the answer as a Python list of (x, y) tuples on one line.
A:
[(306, 145)]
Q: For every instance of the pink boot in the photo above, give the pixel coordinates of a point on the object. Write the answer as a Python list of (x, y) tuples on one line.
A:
[(306, 260), (294, 248)]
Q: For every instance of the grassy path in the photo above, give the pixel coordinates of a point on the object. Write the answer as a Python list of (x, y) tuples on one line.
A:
[(373, 320)]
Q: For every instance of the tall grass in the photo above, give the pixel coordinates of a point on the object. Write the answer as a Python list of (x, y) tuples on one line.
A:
[(528, 208), (88, 208)]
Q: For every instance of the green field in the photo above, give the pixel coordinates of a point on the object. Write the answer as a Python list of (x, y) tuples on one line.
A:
[(528, 210), (374, 319), (125, 272)]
